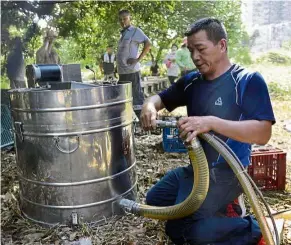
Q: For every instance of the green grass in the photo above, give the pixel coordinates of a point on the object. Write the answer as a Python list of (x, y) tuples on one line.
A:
[(275, 68)]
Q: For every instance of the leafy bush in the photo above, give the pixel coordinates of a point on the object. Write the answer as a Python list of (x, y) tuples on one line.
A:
[(241, 55), (145, 70), (5, 83), (276, 90), (275, 58)]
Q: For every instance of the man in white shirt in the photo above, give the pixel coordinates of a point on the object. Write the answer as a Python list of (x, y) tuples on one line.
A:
[(108, 59), (170, 62)]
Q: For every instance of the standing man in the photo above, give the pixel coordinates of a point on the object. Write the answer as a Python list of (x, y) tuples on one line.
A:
[(128, 66), (154, 69), (107, 63), (171, 64), (183, 59), (221, 98)]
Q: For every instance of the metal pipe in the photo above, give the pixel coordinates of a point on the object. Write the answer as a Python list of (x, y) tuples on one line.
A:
[(88, 68)]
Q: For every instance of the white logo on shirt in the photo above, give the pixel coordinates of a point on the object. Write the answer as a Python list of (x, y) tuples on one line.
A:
[(218, 101)]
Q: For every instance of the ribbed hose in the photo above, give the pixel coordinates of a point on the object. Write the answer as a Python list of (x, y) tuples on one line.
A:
[(192, 202), (246, 185)]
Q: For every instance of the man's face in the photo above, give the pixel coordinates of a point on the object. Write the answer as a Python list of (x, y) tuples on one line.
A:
[(109, 50), (205, 54), (174, 48), (124, 20)]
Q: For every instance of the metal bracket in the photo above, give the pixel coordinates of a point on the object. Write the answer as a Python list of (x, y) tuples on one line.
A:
[(19, 130), (74, 218)]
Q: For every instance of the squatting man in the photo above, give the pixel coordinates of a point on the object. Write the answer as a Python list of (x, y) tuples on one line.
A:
[(226, 100)]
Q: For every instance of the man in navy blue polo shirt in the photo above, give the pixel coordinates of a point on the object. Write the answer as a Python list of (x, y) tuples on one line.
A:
[(230, 102)]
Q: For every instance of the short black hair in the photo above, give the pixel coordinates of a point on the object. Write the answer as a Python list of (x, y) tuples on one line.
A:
[(175, 45), (214, 29), (124, 11)]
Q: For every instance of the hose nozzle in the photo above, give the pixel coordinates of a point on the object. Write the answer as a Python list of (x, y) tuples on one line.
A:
[(129, 206)]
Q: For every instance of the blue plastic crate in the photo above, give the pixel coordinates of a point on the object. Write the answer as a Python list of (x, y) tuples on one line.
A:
[(6, 127), (171, 141)]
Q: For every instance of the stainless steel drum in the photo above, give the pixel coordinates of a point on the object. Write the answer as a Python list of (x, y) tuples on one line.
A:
[(74, 145)]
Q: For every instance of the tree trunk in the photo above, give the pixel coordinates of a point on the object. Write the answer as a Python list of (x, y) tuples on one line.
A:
[(15, 65)]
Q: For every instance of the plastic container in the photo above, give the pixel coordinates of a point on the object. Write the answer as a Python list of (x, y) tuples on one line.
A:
[(171, 141), (268, 168)]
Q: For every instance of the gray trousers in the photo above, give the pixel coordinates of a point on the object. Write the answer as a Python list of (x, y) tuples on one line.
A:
[(137, 94)]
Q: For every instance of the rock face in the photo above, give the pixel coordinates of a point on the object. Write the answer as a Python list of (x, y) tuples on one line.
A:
[(267, 22)]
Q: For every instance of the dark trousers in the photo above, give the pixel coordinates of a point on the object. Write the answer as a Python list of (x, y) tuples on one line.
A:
[(137, 94), (202, 227), (172, 79)]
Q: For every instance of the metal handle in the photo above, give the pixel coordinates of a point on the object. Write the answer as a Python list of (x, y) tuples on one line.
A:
[(57, 140)]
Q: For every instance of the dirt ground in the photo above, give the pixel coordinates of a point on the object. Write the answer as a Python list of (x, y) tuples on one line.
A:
[(152, 164)]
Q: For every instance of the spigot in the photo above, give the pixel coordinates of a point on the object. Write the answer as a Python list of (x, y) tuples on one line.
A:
[(164, 124), (129, 206)]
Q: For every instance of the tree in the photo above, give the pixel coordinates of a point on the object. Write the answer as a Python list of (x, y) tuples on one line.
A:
[(20, 15), (94, 24), (87, 27)]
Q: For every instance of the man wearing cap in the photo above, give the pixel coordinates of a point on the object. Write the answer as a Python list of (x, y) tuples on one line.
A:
[(128, 66), (183, 59), (222, 99)]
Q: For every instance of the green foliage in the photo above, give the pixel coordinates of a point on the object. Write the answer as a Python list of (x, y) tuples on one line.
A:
[(277, 58), (5, 83), (229, 12), (17, 21), (145, 72), (94, 24), (241, 55), (87, 27), (277, 91)]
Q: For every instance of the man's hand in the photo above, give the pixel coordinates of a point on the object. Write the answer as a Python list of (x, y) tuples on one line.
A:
[(132, 61), (190, 127), (148, 116)]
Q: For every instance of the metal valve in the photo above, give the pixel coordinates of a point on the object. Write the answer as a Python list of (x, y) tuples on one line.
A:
[(164, 124)]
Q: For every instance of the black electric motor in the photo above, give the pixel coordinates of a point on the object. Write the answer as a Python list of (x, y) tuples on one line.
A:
[(43, 74)]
